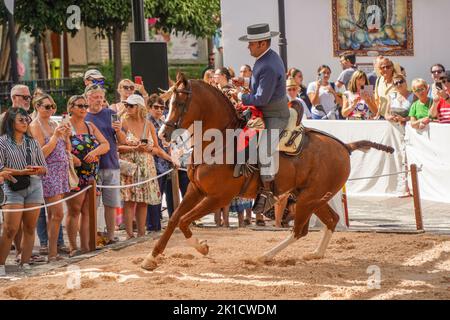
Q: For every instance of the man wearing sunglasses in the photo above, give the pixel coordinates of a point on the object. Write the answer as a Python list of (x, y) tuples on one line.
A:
[(109, 172), (93, 76), (437, 71), (20, 97)]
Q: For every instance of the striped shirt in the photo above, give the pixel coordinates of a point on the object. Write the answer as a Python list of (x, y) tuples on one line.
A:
[(13, 156), (443, 109)]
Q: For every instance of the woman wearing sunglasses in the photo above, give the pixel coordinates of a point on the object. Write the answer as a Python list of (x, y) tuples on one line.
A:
[(22, 156), (141, 144), (125, 89), (55, 143), (399, 101), (88, 144)]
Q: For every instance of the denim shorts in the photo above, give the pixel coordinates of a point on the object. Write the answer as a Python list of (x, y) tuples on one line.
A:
[(110, 177), (34, 194)]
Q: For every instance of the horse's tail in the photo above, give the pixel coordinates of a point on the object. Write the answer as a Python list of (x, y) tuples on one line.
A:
[(365, 145)]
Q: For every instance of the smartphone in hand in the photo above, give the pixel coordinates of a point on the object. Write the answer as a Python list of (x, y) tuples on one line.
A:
[(439, 85), (138, 80), (114, 117)]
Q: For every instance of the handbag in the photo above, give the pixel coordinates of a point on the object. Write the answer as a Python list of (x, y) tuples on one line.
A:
[(127, 168), (22, 182), (74, 180)]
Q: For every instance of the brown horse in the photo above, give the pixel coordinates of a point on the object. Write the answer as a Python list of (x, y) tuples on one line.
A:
[(314, 176)]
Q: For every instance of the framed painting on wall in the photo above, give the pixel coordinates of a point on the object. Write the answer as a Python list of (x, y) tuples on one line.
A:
[(372, 27)]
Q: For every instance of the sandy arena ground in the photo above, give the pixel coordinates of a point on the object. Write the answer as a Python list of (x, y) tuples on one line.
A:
[(411, 266)]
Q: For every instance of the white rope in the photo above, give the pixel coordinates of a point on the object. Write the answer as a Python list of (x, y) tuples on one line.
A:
[(48, 204), (135, 184), (384, 175)]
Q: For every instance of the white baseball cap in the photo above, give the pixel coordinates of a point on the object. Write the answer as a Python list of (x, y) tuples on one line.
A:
[(136, 99)]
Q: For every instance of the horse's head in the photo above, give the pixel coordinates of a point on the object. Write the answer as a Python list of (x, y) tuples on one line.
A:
[(180, 96)]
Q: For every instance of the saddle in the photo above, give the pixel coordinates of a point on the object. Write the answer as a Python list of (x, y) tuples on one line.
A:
[(292, 137)]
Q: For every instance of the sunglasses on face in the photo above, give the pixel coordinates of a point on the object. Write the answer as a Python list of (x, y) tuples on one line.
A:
[(437, 71), (23, 120), (399, 82), (386, 67), (130, 106), (99, 82), (419, 90), (128, 88), (292, 89), (81, 106), (24, 97), (158, 106), (49, 107)]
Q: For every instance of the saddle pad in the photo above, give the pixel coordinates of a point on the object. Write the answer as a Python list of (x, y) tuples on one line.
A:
[(291, 137)]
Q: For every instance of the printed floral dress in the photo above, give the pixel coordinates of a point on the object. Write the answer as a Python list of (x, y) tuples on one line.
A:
[(149, 192)]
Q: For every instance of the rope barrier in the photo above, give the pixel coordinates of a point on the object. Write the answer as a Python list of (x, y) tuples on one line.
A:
[(134, 184), (383, 175), (48, 204)]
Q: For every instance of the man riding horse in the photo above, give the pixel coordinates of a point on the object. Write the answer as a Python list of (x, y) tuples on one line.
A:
[(268, 94)]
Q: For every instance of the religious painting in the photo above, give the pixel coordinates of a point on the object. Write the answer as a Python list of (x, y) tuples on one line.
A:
[(372, 27)]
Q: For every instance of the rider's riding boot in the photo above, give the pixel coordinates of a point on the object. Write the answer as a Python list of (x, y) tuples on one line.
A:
[(265, 200)]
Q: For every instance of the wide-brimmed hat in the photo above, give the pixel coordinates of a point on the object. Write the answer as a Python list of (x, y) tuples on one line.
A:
[(258, 32)]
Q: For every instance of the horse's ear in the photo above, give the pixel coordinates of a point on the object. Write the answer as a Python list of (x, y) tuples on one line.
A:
[(181, 78)]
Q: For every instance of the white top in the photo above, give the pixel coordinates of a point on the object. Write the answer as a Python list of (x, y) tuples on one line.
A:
[(326, 98), (400, 105), (306, 112)]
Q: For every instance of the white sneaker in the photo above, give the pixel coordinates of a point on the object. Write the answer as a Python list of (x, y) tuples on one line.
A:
[(2, 270)]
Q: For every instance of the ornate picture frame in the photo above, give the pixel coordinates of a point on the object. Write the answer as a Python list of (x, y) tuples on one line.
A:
[(372, 27)]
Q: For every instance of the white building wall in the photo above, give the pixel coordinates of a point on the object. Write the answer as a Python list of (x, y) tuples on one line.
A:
[(309, 34)]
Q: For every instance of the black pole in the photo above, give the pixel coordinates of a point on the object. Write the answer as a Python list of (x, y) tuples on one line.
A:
[(138, 20), (282, 39), (110, 49), (13, 44)]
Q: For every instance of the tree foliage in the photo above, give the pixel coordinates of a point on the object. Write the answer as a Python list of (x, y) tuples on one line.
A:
[(197, 17)]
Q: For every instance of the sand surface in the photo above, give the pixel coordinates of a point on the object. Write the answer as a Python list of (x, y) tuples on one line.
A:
[(409, 266)]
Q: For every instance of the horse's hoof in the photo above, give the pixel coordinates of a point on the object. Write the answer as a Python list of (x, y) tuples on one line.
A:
[(312, 256), (149, 263), (263, 259), (203, 248)]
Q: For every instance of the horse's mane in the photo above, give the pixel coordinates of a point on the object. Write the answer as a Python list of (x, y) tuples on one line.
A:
[(219, 94)]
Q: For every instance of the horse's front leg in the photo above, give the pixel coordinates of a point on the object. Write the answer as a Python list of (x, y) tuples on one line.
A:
[(206, 206), (190, 200)]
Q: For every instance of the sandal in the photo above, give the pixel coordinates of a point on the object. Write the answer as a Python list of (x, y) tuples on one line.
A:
[(63, 249), (54, 259), (35, 258), (247, 222), (260, 223), (74, 253)]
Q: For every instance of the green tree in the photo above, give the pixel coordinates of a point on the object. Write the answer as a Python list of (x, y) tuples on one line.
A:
[(197, 17), (111, 17)]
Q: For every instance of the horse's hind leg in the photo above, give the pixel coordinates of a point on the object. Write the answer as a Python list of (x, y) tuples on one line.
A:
[(203, 208), (303, 213), (330, 219), (191, 198)]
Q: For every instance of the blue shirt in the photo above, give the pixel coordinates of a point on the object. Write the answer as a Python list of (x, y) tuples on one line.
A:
[(102, 121), (268, 82)]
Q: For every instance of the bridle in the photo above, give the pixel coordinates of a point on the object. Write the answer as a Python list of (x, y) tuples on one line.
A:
[(180, 105)]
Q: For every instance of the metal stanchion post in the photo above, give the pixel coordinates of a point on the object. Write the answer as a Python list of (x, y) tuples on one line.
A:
[(175, 189), (416, 193), (92, 194)]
